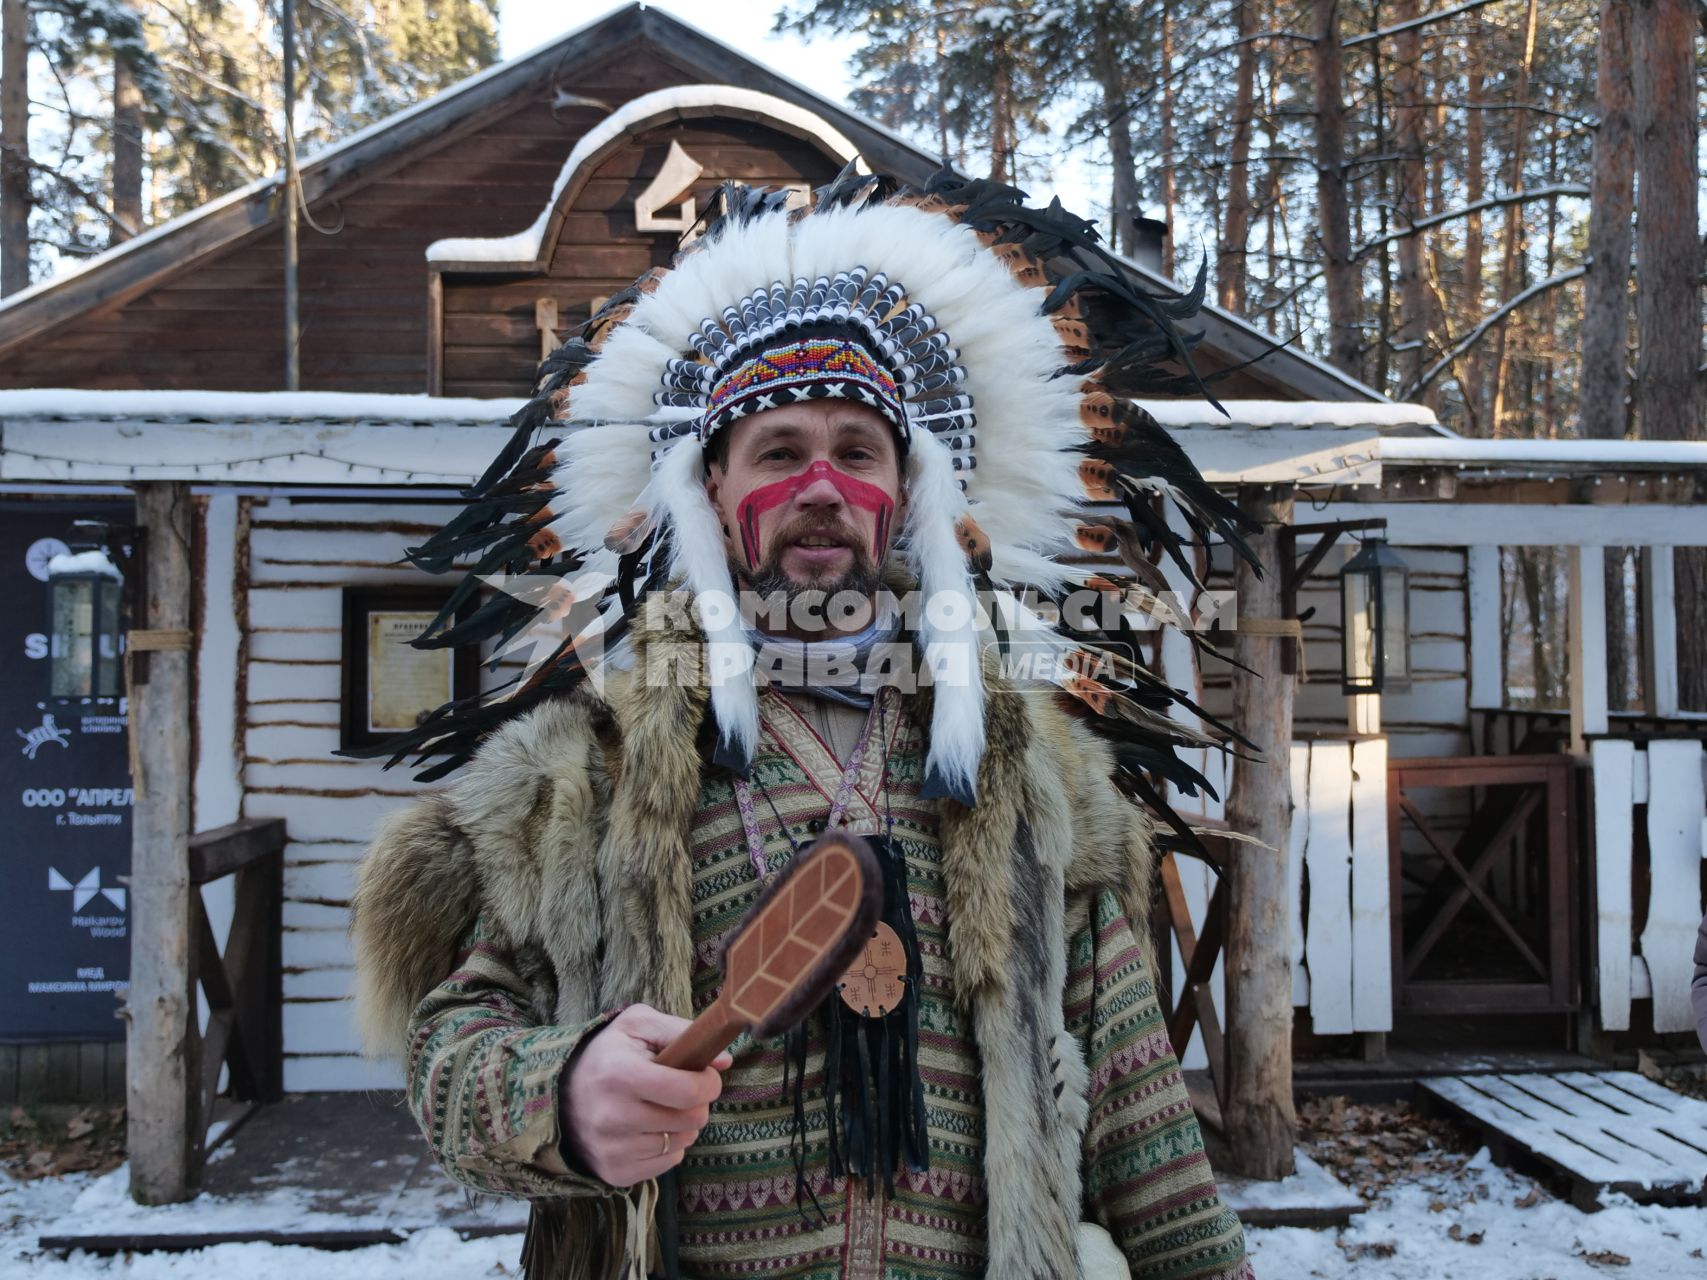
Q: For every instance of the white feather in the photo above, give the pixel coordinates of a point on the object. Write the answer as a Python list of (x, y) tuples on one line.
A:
[(599, 476), (698, 559), (948, 630), (622, 383)]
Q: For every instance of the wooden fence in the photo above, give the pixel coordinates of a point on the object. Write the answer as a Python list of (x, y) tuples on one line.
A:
[(1340, 902), (1662, 782)]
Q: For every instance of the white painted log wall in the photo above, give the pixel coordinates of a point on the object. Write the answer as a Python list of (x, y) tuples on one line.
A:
[(1432, 717), (301, 555), (1670, 777)]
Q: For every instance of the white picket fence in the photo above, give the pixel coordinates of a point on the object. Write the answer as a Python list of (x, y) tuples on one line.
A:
[(1342, 944), (1342, 958), (1668, 777)]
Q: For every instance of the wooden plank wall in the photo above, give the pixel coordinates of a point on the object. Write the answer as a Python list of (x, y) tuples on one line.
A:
[(491, 340), (219, 325), (1347, 942), (75, 1071), (1337, 864), (301, 555)]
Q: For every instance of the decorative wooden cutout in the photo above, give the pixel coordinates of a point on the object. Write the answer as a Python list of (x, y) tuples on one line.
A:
[(545, 320), (670, 187)]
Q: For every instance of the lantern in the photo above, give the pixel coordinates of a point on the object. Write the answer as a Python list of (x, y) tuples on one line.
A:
[(1375, 621), (85, 597)]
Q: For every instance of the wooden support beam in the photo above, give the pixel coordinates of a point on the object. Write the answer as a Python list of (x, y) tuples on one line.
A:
[(162, 1074), (1586, 638), (1487, 656), (1260, 1122), (1659, 631)]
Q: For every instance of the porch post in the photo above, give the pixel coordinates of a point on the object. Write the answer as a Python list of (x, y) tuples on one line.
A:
[(1260, 1122), (158, 1067), (1659, 634), (1586, 625)]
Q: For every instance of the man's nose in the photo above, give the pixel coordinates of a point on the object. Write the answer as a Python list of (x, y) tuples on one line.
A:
[(820, 491)]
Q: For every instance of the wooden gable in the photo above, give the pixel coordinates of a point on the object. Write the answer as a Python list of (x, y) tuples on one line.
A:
[(491, 326), (198, 303), (218, 324)]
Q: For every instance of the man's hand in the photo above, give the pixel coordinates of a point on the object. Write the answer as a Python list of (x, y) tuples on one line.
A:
[(619, 1104)]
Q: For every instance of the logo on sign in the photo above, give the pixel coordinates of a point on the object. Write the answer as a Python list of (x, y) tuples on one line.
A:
[(41, 553), (85, 889), (47, 731)]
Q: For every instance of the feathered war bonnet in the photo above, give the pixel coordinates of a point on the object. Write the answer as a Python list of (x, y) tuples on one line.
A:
[(1002, 342)]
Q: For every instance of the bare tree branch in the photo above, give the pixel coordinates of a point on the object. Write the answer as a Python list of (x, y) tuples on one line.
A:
[(1536, 107), (1491, 321), (82, 194), (1493, 202), (1414, 22)]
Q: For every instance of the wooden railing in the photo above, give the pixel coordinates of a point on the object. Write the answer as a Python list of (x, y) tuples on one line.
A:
[(1338, 904), (1193, 999), (244, 984), (1650, 825), (1510, 731)]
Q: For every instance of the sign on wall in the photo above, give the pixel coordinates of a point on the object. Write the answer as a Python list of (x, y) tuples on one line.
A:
[(65, 803)]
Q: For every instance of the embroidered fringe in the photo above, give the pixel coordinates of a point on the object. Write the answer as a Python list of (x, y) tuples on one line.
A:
[(612, 1250)]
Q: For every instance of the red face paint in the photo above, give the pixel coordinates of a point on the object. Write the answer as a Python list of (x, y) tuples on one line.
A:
[(856, 493)]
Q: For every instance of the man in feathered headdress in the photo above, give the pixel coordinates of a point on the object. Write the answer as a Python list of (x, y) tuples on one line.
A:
[(798, 543)]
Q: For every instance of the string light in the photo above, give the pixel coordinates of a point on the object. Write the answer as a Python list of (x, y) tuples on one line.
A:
[(231, 465)]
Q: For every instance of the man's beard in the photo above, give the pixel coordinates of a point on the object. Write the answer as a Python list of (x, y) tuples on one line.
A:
[(862, 578)]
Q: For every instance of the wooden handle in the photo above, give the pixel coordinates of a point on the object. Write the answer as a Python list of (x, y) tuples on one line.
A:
[(706, 1037)]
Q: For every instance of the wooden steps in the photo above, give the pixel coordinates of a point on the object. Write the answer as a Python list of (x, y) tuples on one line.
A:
[(1601, 1131), (1311, 1197)]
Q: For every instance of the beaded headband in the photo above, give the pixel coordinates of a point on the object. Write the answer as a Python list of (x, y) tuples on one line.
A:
[(824, 367)]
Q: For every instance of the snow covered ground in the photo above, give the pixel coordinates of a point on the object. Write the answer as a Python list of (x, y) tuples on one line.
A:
[(1482, 1222), (1474, 1221)]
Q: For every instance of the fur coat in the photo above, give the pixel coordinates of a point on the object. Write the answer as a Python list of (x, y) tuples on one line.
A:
[(569, 833)]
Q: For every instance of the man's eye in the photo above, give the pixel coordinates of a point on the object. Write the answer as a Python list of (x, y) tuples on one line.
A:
[(776, 455), (859, 455)]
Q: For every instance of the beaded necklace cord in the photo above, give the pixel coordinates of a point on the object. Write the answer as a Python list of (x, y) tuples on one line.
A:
[(838, 804)]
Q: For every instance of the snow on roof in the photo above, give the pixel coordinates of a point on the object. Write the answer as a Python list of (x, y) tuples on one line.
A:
[(72, 270), (1602, 454), (1297, 415), (252, 406), (525, 246)]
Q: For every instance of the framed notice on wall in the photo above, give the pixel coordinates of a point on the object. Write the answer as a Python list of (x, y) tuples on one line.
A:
[(389, 685)]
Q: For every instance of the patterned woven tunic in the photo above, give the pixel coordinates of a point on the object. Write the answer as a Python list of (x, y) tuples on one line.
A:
[(1146, 1176)]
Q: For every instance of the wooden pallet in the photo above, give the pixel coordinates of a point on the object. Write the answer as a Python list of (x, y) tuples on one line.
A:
[(1603, 1130)]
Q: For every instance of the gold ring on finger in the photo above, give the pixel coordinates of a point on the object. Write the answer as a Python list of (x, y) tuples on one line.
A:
[(665, 1149)]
